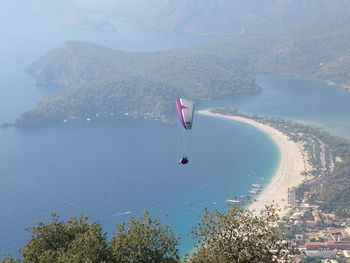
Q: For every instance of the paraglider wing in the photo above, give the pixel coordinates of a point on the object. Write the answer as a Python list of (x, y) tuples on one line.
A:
[(185, 110)]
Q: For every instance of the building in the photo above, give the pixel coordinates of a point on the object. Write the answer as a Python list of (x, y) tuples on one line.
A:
[(327, 245), (321, 254)]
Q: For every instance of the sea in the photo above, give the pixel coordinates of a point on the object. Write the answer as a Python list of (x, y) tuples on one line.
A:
[(112, 171), (308, 101)]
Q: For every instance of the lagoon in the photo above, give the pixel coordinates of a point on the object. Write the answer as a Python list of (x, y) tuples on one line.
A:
[(307, 101), (110, 171)]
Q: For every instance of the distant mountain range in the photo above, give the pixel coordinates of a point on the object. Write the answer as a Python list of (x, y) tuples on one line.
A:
[(99, 80), (220, 17)]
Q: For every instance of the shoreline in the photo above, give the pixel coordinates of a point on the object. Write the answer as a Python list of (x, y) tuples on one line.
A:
[(293, 162)]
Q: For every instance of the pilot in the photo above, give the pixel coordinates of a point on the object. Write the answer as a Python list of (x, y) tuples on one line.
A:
[(183, 160)]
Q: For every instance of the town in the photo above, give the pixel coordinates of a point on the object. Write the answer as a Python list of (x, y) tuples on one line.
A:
[(318, 221)]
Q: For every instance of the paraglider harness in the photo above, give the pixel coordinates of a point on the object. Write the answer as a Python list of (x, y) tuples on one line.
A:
[(183, 160)]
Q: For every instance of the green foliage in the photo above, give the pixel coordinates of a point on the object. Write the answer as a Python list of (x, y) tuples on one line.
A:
[(236, 236), (75, 240), (144, 241), (78, 241), (102, 80), (240, 236), (331, 186)]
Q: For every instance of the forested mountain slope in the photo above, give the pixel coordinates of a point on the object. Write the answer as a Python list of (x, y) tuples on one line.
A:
[(101, 80), (95, 79), (220, 17)]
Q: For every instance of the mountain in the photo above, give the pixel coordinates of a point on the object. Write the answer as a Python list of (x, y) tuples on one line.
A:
[(319, 49), (94, 79), (99, 80), (220, 17)]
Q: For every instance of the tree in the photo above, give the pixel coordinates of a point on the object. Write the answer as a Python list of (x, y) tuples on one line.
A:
[(73, 241), (240, 235), (9, 259), (237, 236), (144, 241)]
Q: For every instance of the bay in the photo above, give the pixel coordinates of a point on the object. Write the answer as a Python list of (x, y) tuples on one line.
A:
[(111, 171), (28, 30), (312, 102), (108, 170)]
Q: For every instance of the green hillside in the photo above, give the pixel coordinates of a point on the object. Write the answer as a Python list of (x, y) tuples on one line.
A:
[(95, 79)]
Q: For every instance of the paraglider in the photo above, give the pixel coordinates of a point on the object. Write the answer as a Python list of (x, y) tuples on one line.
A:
[(185, 109)]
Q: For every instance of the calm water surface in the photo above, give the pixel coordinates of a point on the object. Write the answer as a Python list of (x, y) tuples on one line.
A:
[(106, 171), (308, 101)]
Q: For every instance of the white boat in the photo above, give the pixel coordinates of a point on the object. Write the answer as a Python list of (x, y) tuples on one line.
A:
[(231, 201)]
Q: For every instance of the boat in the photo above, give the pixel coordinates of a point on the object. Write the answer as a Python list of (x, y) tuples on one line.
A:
[(256, 185), (231, 201)]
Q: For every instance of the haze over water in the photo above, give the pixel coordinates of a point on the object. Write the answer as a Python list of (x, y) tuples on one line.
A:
[(106, 170), (308, 101)]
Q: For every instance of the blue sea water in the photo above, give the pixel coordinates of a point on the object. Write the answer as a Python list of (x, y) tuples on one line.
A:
[(28, 29), (308, 101), (104, 170), (109, 170)]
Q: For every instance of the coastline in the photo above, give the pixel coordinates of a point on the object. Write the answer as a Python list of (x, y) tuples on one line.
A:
[(293, 162)]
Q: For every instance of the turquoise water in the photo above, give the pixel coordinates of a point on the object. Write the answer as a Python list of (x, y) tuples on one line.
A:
[(104, 170), (308, 101)]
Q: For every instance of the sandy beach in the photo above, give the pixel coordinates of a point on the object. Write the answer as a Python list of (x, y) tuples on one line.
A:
[(293, 162)]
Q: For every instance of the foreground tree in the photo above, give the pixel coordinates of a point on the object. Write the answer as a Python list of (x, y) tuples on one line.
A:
[(144, 241), (240, 236), (9, 259), (237, 236), (75, 240)]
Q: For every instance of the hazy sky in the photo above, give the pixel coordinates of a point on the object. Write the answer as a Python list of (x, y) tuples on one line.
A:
[(35, 7), (99, 4)]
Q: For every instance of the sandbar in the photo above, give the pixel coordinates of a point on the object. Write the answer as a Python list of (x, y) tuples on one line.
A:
[(293, 162)]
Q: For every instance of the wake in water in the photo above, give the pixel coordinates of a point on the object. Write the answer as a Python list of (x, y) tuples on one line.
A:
[(126, 213)]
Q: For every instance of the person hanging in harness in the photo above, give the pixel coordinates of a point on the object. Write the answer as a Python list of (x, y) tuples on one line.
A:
[(183, 160)]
